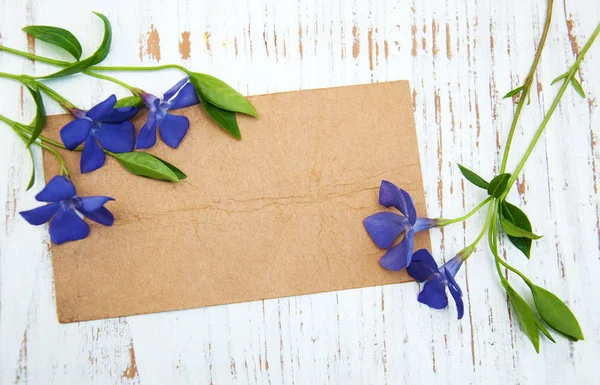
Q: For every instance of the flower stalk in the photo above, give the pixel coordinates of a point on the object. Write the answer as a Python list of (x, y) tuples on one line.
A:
[(385, 226), (527, 86)]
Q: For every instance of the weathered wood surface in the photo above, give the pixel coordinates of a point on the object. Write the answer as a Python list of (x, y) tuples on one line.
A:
[(461, 57)]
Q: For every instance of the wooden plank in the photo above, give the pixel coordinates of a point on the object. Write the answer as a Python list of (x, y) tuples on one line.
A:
[(461, 57)]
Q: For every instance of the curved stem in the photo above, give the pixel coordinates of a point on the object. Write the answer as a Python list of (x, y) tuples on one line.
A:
[(7, 120), (467, 251), (31, 56), (64, 103), (517, 272), (563, 88), (61, 63), (45, 139), (10, 76), (527, 86), (445, 222), (135, 68), (485, 227), (493, 236), (53, 94), (493, 243), (63, 167), (21, 131), (111, 79)]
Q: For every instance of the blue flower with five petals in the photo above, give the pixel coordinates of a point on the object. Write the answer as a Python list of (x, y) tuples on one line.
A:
[(172, 128), (64, 204), (424, 269), (385, 227), (102, 124)]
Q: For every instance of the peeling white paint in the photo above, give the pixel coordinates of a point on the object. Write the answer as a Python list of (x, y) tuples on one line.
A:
[(374, 335)]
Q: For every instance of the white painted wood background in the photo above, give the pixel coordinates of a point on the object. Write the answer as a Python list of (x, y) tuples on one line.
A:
[(461, 57)]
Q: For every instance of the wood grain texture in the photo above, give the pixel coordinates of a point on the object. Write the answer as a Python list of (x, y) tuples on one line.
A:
[(461, 58)]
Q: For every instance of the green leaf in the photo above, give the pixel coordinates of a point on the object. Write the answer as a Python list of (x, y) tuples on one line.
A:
[(574, 82), (221, 95), (543, 329), (40, 114), (32, 177), (525, 315), (578, 87), (516, 231), (512, 93), (473, 178), (517, 217), (224, 118), (556, 314), (18, 126), (180, 174), (146, 165), (96, 58), (58, 36), (498, 185), (560, 78), (129, 101)]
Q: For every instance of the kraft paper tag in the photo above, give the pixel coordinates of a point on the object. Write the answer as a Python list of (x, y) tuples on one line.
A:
[(276, 214)]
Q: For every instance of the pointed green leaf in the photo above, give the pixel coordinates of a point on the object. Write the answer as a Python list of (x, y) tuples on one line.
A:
[(560, 78), (220, 94), (180, 174), (543, 329), (146, 165), (58, 36), (525, 315), (473, 178), (517, 217), (96, 58), (512, 93), (40, 114), (556, 314), (578, 87), (224, 118), (129, 101), (516, 231), (32, 177), (498, 185)]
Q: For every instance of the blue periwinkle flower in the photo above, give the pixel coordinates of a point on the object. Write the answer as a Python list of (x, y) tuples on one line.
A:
[(63, 208), (172, 128), (385, 227), (103, 125), (424, 269)]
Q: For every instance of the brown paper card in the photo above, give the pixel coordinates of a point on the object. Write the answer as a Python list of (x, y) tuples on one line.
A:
[(276, 214)]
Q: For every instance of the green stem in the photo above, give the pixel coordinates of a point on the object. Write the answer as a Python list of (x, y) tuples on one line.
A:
[(563, 88), (134, 90), (493, 243), (527, 86), (61, 63), (23, 79), (135, 68), (445, 222), (467, 251), (517, 272), (41, 59), (90, 70), (64, 103), (45, 139), (7, 120), (10, 76), (21, 131), (493, 236)]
